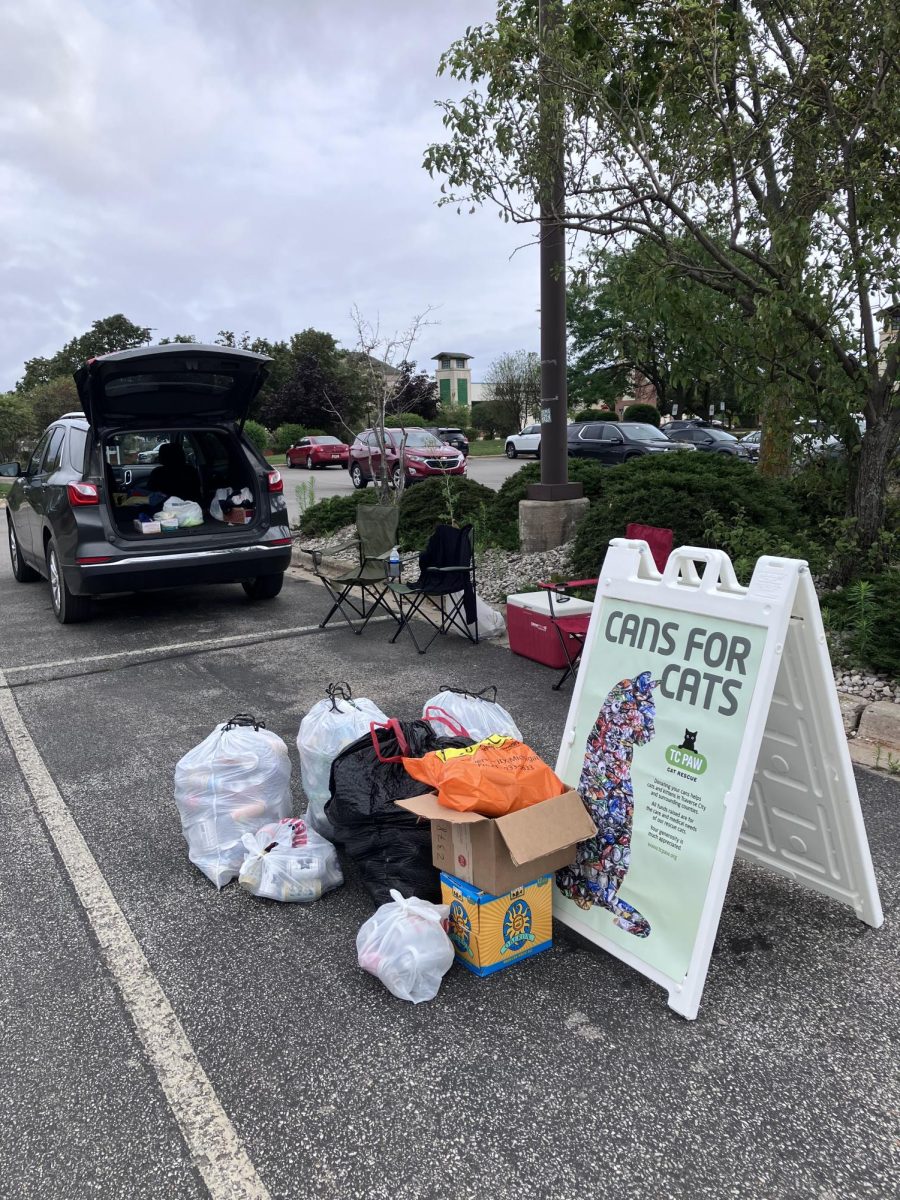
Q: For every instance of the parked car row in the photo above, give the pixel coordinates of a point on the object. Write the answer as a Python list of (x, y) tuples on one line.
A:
[(617, 441)]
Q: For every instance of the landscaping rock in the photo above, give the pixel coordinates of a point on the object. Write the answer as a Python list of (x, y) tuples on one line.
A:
[(851, 710)]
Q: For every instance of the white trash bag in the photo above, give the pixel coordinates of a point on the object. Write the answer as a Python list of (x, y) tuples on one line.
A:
[(287, 861), (405, 946), (188, 512), (241, 496), (477, 713), (236, 780), (490, 622), (328, 727)]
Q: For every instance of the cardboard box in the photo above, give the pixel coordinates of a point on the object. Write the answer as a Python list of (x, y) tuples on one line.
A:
[(497, 854), (492, 932), (148, 526), (531, 632)]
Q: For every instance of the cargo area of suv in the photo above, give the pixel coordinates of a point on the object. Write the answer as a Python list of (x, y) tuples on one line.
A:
[(143, 470)]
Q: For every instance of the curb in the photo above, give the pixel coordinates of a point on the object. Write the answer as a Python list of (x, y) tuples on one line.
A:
[(873, 732)]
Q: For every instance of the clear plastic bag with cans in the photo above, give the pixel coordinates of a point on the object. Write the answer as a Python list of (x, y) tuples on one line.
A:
[(288, 861), (405, 945), (234, 781)]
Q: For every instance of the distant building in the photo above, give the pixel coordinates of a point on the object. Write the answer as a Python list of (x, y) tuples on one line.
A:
[(454, 378), (640, 391)]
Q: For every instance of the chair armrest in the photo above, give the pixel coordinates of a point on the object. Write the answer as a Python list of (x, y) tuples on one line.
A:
[(569, 583)]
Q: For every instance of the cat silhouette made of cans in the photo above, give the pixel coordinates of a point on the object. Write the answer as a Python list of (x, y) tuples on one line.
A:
[(625, 720)]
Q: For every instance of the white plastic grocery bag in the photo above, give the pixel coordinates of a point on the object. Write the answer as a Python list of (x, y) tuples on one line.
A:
[(405, 946), (188, 512), (491, 622), (328, 727), (236, 780), (478, 713), (286, 860)]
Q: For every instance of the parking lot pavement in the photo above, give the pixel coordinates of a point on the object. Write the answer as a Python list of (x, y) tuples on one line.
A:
[(564, 1076)]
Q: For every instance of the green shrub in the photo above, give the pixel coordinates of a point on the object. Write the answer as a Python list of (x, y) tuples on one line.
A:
[(503, 522), (258, 435), (407, 420), (867, 616), (324, 518), (647, 413), (452, 499), (286, 435), (595, 414), (680, 492)]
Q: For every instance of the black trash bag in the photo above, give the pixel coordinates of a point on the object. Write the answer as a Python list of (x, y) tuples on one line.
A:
[(391, 847)]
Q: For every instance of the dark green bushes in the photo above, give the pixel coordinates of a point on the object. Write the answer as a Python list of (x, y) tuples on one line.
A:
[(866, 617), (648, 413), (451, 500), (706, 499), (324, 518)]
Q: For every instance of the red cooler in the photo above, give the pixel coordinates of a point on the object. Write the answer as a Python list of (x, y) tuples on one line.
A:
[(531, 632)]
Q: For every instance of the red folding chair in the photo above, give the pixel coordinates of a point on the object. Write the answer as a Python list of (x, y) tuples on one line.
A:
[(571, 631), (658, 539)]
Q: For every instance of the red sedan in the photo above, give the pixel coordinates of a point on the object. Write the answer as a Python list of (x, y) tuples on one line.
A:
[(322, 451)]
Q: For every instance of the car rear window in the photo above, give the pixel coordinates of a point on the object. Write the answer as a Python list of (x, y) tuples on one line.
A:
[(325, 441), (157, 381)]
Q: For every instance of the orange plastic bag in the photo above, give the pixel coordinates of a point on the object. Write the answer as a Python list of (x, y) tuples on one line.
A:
[(497, 775)]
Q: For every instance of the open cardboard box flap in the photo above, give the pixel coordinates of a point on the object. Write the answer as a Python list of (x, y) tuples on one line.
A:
[(544, 828), (529, 834)]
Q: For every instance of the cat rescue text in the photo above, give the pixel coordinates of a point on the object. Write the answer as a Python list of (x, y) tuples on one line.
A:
[(713, 665)]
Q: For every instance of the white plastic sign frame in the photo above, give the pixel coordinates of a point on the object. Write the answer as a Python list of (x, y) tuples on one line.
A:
[(793, 805)]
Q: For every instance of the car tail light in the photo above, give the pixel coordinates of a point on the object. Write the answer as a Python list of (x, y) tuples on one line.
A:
[(276, 483), (280, 542), (83, 493), (86, 562)]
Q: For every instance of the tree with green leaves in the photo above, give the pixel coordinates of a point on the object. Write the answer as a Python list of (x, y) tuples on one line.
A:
[(321, 389), (753, 143), (513, 385), (414, 392), (17, 424), (104, 336)]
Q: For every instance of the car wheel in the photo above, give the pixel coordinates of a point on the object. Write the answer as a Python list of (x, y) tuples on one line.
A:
[(309, 462), (20, 568), (290, 462), (67, 607), (511, 451), (264, 587), (537, 454), (356, 477), (397, 477)]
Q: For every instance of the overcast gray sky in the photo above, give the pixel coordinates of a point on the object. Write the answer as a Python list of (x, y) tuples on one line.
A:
[(224, 164)]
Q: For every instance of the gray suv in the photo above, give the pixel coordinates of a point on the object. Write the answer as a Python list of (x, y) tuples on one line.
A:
[(81, 513)]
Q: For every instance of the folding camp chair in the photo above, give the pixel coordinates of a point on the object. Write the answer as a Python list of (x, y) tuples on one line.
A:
[(571, 631), (657, 538), (376, 529), (447, 580)]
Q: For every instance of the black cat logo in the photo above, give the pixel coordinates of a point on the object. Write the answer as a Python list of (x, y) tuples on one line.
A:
[(690, 737)]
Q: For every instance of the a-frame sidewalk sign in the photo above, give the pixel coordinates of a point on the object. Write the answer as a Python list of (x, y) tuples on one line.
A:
[(704, 723)]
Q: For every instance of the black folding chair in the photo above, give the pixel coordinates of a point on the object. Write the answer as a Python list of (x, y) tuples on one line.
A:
[(376, 529), (444, 593)]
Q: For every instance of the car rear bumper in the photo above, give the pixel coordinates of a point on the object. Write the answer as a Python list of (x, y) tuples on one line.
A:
[(133, 573)]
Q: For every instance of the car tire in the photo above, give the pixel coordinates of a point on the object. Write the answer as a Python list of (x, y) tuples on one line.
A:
[(537, 454), (309, 462), (20, 568), (264, 587), (357, 478), (290, 462), (397, 478), (68, 608), (511, 451)]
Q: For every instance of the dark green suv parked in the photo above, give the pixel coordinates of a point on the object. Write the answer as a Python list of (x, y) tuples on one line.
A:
[(78, 512)]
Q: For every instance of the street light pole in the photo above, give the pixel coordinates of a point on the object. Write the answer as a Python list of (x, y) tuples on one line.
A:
[(554, 483)]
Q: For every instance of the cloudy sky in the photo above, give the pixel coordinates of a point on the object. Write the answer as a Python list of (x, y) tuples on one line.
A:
[(224, 164)]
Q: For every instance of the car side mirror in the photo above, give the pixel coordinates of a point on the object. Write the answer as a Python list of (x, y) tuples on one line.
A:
[(617, 440), (10, 470)]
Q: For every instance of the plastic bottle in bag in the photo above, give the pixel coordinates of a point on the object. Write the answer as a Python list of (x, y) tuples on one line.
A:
[(405, 945), (233, 782)]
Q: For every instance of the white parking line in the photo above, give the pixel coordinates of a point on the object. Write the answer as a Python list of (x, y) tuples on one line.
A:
[(215, 1147)]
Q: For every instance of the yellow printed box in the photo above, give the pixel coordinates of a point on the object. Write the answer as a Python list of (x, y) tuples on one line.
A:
[(492, 932)]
